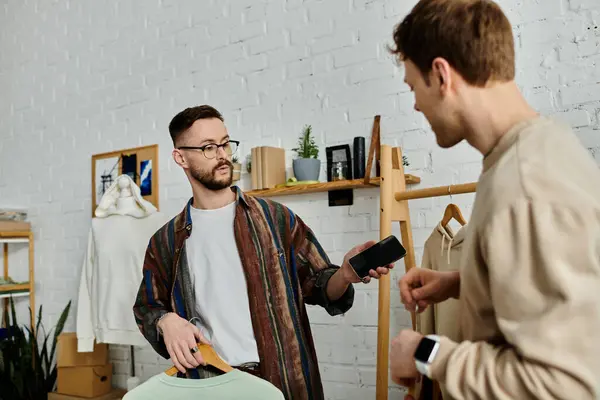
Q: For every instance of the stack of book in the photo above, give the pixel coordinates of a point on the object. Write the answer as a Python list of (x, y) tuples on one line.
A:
[(268, 167)]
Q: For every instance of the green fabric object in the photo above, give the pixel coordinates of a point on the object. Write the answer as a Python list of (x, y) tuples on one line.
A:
[(233, 385)]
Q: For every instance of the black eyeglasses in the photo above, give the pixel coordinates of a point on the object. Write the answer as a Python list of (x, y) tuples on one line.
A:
[(210, 150)]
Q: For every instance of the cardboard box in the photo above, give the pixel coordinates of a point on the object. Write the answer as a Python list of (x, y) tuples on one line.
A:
[(115, 394), (69, 357), (85, 382)]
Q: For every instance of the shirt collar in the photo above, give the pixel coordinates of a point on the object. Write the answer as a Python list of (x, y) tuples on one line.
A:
[(506, 142), (185, 217)]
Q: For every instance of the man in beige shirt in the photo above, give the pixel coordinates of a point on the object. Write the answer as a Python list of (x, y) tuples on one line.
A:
[(529, 281)]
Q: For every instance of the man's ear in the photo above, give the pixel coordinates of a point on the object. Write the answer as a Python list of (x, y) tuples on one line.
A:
[(179, 159), (442, 73)]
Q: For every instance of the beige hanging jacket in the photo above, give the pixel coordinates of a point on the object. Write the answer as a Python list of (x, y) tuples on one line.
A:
[(442, 253)]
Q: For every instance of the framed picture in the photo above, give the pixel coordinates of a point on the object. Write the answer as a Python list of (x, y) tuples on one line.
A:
[(140, 163), (339, 163), (339, 167)]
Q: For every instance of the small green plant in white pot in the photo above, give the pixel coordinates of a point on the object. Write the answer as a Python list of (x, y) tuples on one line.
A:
[(307, 166)]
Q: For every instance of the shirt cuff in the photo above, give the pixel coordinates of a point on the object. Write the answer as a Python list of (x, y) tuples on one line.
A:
[(438, 367), (85, 345), (339, 306)]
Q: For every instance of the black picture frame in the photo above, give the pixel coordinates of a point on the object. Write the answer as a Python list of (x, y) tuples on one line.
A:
[(339, 153), (336, 154)]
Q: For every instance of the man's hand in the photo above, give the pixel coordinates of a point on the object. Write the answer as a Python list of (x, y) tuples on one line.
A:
[(423, 287), (349, 273), (180, 337), (402, 362)]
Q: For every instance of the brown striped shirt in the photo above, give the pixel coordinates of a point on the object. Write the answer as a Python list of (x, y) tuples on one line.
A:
[(285, 267)]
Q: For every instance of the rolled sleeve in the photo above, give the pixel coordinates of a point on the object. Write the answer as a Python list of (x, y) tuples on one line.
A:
[(339, 306), (315, 270)]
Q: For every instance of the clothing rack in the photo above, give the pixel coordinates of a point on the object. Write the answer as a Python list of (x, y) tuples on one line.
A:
[(394, 208)]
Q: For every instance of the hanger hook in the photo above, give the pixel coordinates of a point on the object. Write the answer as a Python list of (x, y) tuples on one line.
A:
[(450, 192)]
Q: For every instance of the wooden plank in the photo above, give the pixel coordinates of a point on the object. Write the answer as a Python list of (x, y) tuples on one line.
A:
[(115, 394), (404, 218), (383, 311), (15, 234), (15, 226), (373, 145), (31, 282), (5, 257), (325, 187), (436, 191), (399, 208), (409, 259), (5, 302), (8, 288)]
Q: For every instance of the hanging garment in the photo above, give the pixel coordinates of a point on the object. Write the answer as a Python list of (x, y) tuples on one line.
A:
[(442, 253), (233, 385), (112, 268)]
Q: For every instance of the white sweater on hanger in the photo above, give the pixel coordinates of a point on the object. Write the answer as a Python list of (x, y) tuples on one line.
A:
[(112, 267), (110, 278)]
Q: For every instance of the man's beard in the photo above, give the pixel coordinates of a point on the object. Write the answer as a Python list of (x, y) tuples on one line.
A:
[(208, 179)]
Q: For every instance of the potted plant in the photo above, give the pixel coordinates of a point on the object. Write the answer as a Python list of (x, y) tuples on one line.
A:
[(27, 366), (249, 163), (307, 166), (237, 168)]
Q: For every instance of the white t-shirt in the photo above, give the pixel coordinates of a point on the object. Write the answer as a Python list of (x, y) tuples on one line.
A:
[(220, 285)]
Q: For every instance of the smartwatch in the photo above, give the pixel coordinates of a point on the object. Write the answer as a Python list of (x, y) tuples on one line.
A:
[(426, 352)]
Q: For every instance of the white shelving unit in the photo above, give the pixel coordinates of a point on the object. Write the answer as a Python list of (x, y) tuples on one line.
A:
[(22, 289)]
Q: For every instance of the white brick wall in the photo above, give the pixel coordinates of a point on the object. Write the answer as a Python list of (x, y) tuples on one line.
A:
[(79, 78)]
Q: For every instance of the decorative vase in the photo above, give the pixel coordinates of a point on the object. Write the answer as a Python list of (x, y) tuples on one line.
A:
[(237, 170), (359, 157), (306, 169)]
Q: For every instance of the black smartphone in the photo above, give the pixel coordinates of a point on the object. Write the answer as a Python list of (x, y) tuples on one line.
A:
[(387, 251)]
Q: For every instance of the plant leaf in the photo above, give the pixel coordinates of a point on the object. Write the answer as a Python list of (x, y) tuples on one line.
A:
[(51, 381), (14, 313), (59, 327), (37, 327), (44, 355), (26, 370)]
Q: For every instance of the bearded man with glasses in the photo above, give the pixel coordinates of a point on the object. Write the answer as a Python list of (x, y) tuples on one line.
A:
[(236, 272)]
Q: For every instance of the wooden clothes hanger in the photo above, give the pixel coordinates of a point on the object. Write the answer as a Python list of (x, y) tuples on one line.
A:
[(452, 211), (210, 356)]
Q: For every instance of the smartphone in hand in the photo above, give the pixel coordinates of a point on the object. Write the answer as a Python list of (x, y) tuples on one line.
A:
[(387, 251)]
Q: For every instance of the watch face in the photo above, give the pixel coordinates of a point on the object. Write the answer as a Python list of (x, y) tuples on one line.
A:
[(424, 349)]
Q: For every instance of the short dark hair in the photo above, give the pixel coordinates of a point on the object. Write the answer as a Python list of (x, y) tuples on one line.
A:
[(474, 36), (186, 118)]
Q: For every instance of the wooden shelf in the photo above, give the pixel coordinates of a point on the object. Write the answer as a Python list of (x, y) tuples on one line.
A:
[(325, 187), (16, 294), (14, 234), (15, 288), (8, 236)]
